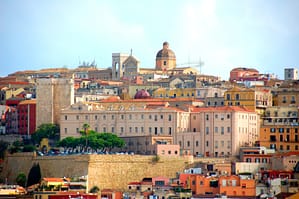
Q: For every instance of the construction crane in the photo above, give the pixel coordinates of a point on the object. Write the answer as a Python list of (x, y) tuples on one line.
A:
[(198, 64)]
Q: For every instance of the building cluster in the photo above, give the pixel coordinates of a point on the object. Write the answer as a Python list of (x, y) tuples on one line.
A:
[(168, 110)]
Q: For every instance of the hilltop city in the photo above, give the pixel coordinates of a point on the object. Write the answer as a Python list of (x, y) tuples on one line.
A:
[(164, 132)]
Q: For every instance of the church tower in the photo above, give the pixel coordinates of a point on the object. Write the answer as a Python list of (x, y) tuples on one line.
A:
[(165, 58)]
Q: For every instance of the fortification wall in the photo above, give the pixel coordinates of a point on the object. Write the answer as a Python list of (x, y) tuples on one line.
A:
[(104, 171)]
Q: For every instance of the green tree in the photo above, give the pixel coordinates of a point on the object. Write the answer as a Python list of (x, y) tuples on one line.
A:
[(29, 148), (94, 189), (3, 148), (17, 146), (34, 176), (50, 131), (21, 179)]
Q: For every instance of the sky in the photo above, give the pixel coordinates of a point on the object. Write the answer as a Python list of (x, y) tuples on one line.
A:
[(223, 34)]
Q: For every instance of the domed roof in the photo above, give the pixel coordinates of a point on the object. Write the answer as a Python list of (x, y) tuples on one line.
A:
[(165, 52), (142, 94)]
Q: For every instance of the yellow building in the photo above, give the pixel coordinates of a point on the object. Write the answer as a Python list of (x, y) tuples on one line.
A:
[(174, 93), (256, 99)]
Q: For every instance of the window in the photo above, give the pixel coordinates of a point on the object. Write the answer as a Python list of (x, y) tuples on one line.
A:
[(136, 129), (228, 96), (169, 117), (207, 117), (112, 129), (281, 130), (122, 117), (65, 130), (228, 116), (216, 129), (169, 130), (65, 117), (150, 130), (188, 143), (161, 117), (112, 117), (142, 116), (156, 118), (196, 143), (121, 129), (164, 63), (77, 130), (207, 130), (95, 117), (237, 97), (142, 129), (228, 129), (130, 117), (77, 117), (222, 130), (207, 143), (86, 117), (156, 130), (272, 130), (104, 117), (161, 130), (150, 117), (130, 129)]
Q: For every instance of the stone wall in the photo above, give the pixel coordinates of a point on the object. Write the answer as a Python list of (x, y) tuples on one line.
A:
[(104, 171)]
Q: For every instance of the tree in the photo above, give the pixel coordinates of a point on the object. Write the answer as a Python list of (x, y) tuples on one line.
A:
[(21, 179), (29, 148), (50, 131), (94, 189), (86, 128), (96, 141), (16, 147), (3, 148), (34, 175)]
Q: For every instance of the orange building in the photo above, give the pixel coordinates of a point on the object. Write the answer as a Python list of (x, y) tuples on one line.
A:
[(280, 129), (235, 186)]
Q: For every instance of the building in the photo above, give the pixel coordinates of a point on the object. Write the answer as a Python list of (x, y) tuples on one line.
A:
[(256, 99), (287, 94), (165, 58), (279, 129), (26, 117), (290, 74), (219, 131), (124, 66), (139, 117), (53, 94), (238, 74)]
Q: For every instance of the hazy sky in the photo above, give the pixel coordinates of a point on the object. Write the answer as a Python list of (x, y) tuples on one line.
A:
[(224, 34)]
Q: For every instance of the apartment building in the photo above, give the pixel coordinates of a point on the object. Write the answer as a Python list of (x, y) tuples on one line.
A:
[(26, 117), (290, 74), (256, 99), (287, 94), (279, 129), (219, 131)]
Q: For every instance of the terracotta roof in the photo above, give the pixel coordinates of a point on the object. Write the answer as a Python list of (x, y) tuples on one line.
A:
[(221, 108), (32, 101), (134, 183)]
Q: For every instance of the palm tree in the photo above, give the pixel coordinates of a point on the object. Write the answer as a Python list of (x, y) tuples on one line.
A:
[(85, 128)]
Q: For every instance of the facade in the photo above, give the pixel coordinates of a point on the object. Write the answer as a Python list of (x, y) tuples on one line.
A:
[(219, 131), (27, 117), (285, 161), (287, 95), (290, 74), (124, 66), (279, 129), (124, 118), (256, 99), (52, 95), (238, 74), (151, 145)]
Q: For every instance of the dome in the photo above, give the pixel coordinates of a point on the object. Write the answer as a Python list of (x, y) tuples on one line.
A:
[(142, 94), (165, 52)]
